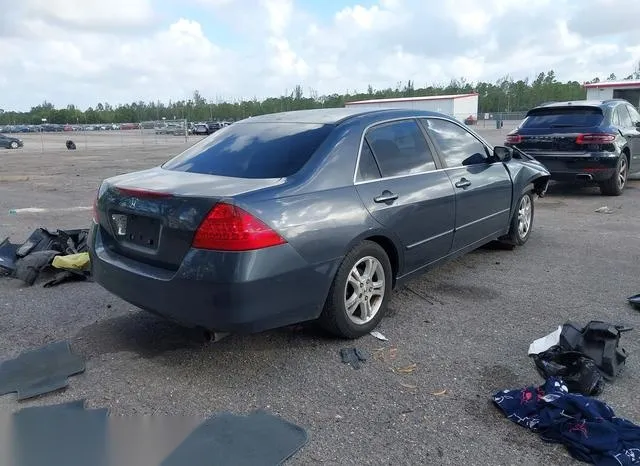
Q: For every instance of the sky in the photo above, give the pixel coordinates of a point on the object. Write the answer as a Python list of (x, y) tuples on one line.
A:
[(83, 52)]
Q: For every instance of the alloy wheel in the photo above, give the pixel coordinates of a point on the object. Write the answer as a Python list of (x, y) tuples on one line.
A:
[(364, 291), (524, 216)]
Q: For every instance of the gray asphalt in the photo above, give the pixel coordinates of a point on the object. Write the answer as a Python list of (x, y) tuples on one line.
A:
[(466, 327)]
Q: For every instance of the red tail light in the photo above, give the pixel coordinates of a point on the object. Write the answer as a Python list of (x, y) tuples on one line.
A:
[(142, 193), (513, 139), (229, 228), (596, 138)]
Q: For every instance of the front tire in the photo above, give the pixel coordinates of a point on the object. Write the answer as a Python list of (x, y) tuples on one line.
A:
[(615, 185), (360, 292), (14, 145), (522, 221)]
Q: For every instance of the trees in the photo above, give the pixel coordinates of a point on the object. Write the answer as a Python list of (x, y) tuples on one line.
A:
[(504, 95)]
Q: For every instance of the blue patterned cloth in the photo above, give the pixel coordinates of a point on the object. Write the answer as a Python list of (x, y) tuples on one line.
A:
[(586, 426)]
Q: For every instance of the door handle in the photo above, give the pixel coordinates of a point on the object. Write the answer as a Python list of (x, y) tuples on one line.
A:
[(463, 183), (386, 196)]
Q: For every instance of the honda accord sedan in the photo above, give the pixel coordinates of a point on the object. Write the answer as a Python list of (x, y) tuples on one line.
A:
[(313, 215)]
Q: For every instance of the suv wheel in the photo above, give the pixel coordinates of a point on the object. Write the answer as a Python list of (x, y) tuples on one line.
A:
[(360, 292), (615, 185)]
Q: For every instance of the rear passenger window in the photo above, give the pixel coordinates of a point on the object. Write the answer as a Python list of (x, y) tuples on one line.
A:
[(400, 148), (635, 116), (367, 167), (625, 118)]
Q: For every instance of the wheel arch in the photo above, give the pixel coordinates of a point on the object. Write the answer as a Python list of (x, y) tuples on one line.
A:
[(386, 241)]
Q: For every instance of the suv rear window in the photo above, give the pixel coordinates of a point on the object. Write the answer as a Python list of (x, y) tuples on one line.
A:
[(563, 117), (253, 150)]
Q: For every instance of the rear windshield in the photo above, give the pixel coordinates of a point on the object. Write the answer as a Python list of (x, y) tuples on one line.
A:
[(566, 117), (253, 150)]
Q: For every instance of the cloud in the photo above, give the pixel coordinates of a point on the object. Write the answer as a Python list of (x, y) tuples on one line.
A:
[(85, 52)]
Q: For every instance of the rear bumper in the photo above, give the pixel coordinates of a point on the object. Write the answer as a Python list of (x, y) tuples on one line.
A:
[(597, 167), (227, 292)]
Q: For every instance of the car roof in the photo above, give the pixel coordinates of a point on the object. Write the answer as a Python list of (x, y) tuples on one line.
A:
[(582, 103), (336, 116)]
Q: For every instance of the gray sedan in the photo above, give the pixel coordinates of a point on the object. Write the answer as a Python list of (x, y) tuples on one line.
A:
[(9, 142), (307, 215)]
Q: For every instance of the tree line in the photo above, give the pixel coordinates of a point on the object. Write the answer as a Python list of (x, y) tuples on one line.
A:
[(504, 95)]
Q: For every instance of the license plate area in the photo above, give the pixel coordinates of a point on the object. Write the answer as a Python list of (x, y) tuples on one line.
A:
[(136, 230)]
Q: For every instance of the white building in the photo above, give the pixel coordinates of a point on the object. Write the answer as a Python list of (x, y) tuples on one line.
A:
[(628, 90), (460, 106)]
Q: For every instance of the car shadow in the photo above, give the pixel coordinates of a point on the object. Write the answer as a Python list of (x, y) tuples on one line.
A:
[(150, 337)]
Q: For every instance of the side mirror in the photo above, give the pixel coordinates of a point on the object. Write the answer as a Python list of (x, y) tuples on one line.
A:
[(502, 153)]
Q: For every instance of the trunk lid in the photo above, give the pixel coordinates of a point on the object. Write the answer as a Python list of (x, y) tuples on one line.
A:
[(152, 216), (553, 140)]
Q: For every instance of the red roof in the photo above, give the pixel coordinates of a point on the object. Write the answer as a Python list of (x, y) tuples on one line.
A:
[(413, 99), (604, 84)]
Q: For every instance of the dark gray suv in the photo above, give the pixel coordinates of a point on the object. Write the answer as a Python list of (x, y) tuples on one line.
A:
[(595, 141)]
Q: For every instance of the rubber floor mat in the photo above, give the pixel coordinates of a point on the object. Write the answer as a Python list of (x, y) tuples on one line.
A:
[(40, 371), (65, 434), (257, 439)]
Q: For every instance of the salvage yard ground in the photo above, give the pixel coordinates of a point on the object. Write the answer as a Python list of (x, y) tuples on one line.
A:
[(466, 327)]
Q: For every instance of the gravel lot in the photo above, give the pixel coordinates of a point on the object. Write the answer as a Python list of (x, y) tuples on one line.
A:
[(466, 327)]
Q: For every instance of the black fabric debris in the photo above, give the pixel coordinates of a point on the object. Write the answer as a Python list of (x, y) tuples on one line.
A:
[(28, 268), (40, 371), (70, 144), (27, 261), (584, 357), (353, 356), (634, 301), (7, 257), (257, 439), (65, 434), (579, 373), (599, 341), (66, 276)]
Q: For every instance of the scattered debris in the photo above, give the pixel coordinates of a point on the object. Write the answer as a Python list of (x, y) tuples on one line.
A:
[(406, 385), (406, 369), (40, 371), (378, 335), (353, 356), (633, 300), (583, 357), (605, 210), (70, 145), (7, 257), (385, 354), (443, 392), (65, 250), (224, 439), (587, 427)]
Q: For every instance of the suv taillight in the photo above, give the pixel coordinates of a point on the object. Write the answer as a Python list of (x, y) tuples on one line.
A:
[(513, 139), (595, 138), (229, 228)]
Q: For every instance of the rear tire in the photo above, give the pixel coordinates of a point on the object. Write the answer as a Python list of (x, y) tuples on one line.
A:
[(360, 292), (614, 186), (522, 221)]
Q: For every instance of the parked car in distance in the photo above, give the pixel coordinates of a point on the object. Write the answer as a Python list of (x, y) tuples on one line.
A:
[(9, 142), (307, 215), (201, 129), (594, 141)]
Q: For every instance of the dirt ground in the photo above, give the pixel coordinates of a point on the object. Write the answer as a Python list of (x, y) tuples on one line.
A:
[(465, 326)]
